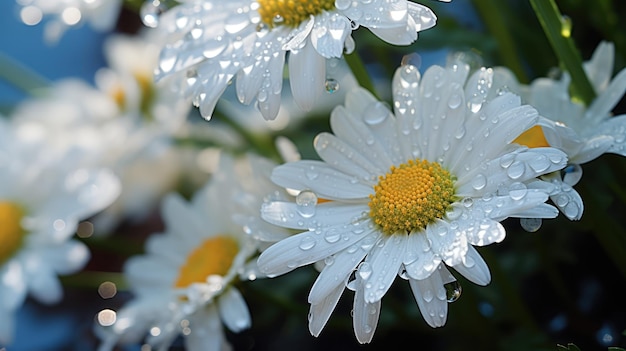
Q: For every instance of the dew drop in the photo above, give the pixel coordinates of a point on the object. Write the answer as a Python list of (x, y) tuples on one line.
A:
[(375, 113), (479, 182), (572, 174), (428, 295), (516, 170), (530, 224), (305, 202), (332, 235), (453, 291), (307, 243), (412, 59), (539, 164), (150, 12), (365, 270), (331, 85), (518, 191)]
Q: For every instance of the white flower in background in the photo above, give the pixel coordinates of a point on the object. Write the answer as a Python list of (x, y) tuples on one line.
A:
[(407, 191), (184, 283), (126, 123), (213, 42), (64, 14), (42, 199), (583, 133)]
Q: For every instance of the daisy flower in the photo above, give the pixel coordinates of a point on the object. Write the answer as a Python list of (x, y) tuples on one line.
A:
[(64, 14), (185, 283), (408, 191), (213, 42), (583, 133), (42, 199)]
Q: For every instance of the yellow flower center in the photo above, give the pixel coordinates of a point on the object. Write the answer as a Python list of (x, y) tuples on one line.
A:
[(213, 257), (11, 231), (411, 196), (533, 137), (291, 12)]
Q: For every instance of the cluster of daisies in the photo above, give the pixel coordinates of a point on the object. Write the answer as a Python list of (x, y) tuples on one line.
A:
[(406, 190)]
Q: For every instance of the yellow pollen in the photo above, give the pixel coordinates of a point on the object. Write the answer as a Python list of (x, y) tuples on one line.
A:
[(411, 196), (532, 138), (213, 257), (11, 231), (119, 96), (291, 12), (146, 84)]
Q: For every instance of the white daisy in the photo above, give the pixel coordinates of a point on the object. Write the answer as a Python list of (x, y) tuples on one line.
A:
[(583, 133), (126, 123), (408, 191), (42, 199), (213, 42), (185, 282), (64, 14)]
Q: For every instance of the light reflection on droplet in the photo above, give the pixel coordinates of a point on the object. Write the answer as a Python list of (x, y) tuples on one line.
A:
[(106, 317), (155, 331), (453, 291), (107, 290), (58, 224), (85, 229), (31, 15), (146, 347), (71, 16)]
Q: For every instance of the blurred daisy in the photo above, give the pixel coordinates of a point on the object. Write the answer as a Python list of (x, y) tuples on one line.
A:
[(185, 282), (126, 123), (64, 14), (583, 133), (42, 199), (213, 42), (407, 191)]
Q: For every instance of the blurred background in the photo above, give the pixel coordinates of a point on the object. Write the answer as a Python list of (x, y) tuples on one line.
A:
[(565, 283)]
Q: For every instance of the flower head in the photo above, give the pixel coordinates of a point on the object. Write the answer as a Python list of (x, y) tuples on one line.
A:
[(184, 282), (583, 133), (216, 41), (408, 191), (43, 196)]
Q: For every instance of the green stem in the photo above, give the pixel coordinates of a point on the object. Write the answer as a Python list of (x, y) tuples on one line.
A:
[(360, 72), (20, 76), (560, 38), (490, 11)]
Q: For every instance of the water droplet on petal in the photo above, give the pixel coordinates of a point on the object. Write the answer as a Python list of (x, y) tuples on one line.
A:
[(331, 85), (479, 182), (375, 113), (150, 12), (530, 224), (365, 270), (516, 170), (453, 291), (518, 191), (305, 202), (307, 243)]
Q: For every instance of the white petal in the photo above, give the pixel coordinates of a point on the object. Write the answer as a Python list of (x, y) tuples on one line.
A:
[(593, 148), (329, 34), (385, 260), (336, 273), (307, 73), (600, 68), (365, 317), (234, 311), (289, 214), (483, 232), (306, 248), (67, 258), (449, 244), (601, 107), (615, 127), (208, 333), (44, 285), (403, 35), (474, 268), (519, 166), (12, 285), (430, 296), (344, 157), (320, 312), (325, 181), (569, 202), (420, 261)]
